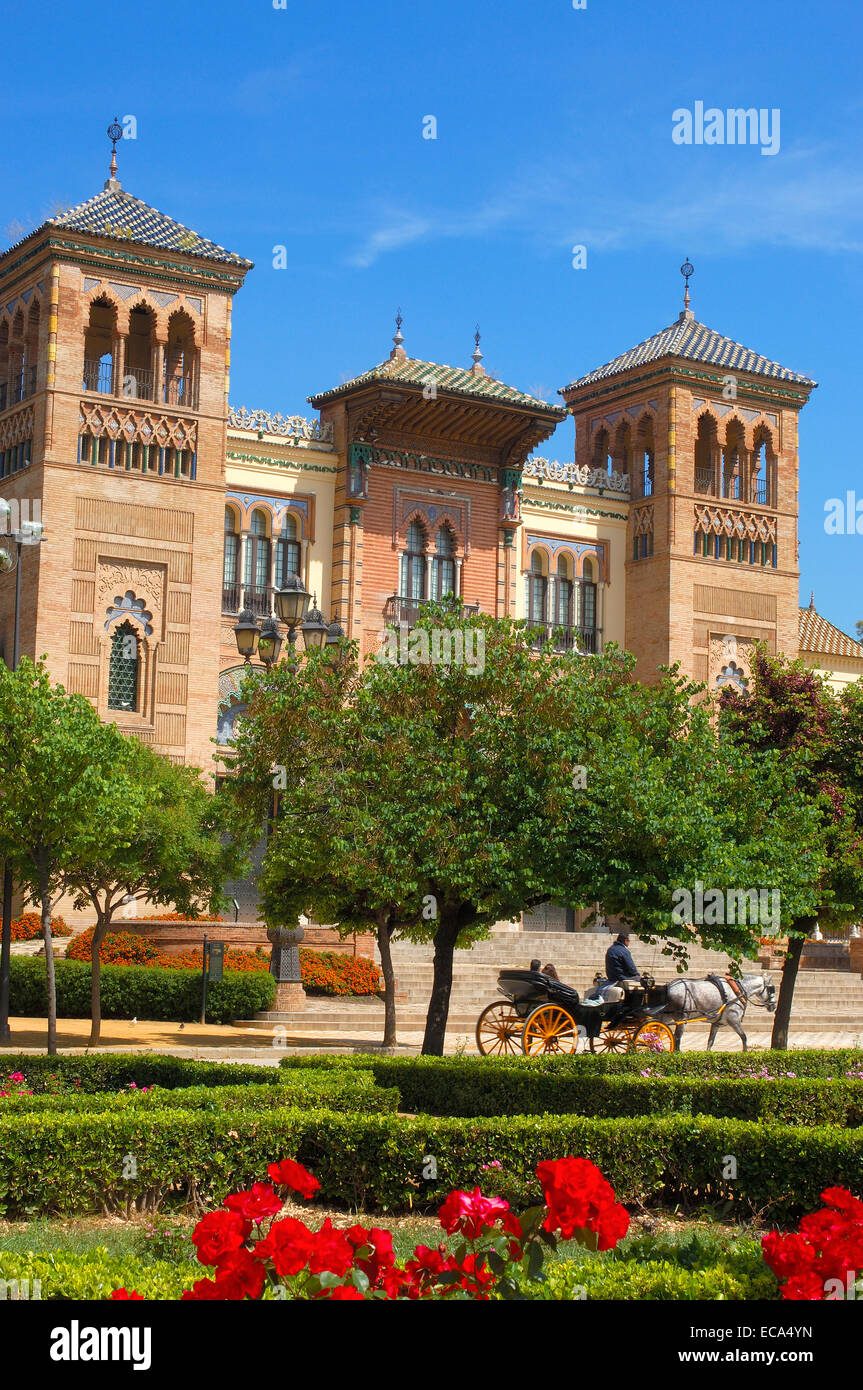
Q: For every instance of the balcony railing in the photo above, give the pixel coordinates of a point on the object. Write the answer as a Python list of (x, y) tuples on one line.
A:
[(400, 611), (238, 596), (138, 384), (22, 385), (182, 391), (761, 492), (566, 637)]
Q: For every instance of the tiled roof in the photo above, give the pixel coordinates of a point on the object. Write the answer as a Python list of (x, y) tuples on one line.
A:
[(817, 635), (411, 371), (697, 343), (116, 214)]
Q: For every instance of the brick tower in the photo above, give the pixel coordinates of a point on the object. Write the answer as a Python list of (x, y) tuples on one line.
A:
[(707, 431), (114, 357)]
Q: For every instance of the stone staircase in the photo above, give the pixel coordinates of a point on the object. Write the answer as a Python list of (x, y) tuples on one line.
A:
[(826, 1002)]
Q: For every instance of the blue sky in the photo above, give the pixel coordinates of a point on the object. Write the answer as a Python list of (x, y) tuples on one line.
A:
[(303, 126)]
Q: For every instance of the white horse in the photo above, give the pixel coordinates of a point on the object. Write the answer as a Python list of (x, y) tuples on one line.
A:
[(719, 1000)]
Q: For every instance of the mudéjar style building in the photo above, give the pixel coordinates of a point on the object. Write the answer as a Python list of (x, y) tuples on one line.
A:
[(673, 531)]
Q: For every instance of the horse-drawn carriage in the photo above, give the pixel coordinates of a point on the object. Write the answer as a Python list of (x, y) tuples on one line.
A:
[(542, 1015)]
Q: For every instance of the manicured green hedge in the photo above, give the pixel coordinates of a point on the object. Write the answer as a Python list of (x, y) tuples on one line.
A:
[(661, 1280), (327, 1091), (110, 1071), (96, 1274), (815, 1062), (76, 1162), (445, 1086), (130, 992)]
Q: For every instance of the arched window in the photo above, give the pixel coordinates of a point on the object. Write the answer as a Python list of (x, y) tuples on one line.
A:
[(180, 385), (563, 615), (732, 461), (257, 572), (31, 349), (140, 354), (586, 607), (706, 452), (99, 337), (231, 574), (645, 456), (443, 565), (602, 452), (287, 552), (123, 669), (537, 593), (414, 564), (4, 365), (762, 483)]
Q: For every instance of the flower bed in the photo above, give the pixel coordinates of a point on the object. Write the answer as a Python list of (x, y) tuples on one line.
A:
[(28, 927), (323, 972)]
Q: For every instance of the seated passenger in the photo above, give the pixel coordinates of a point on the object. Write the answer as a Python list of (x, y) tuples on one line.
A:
[(550, 971)]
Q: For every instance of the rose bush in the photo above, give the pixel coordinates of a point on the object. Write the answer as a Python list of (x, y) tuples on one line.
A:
[(497, 1253)]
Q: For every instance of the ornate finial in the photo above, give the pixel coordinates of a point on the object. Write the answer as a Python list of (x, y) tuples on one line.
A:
[(477, 355), (686, 270), (812, 601), (115, 133), (399, 338)]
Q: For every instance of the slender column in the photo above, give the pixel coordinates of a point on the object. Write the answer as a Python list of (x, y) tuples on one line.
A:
[(458, 565), (241, 566)]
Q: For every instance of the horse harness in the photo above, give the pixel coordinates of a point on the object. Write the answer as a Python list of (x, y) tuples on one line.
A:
[(730, 992)]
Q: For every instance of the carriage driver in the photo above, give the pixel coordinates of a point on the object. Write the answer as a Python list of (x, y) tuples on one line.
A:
[(619, 967)]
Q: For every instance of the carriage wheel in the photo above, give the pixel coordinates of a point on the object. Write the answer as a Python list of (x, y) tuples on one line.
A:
[(654, 1037), (549, 1029), (497, 1029), (611, 1040)]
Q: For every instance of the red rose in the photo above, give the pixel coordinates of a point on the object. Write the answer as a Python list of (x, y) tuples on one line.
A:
[(579, 1198), (332, 1251), (203, 1291), (291, 1174), (218, 1233), (380, 1246), (288, 1246), (342, 1293), (256, 1205), (240, 1275), (121, 1294), (471, 1213)]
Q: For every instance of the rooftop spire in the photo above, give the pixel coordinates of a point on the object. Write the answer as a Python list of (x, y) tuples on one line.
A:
[(477, 355), (115, 133), (686, 270), (398, 340), (812, 601)]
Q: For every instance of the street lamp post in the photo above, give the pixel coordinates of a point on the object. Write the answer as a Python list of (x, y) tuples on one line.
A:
[(28, 533)]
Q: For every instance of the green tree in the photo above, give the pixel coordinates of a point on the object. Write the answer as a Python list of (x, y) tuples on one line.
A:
[(171, 849), (475, 792), (792, 712), (60, 787)]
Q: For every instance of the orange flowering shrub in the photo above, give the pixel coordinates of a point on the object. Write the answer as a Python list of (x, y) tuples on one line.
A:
[(323, 972), (118, 948), (28, 927)]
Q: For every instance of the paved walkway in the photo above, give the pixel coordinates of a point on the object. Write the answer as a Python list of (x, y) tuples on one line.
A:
[(219, 1043)]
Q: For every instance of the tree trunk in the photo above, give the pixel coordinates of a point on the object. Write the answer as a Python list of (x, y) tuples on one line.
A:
[(50, 981), (782, 1018), (438, 1010), (100, 931), (384, 934)]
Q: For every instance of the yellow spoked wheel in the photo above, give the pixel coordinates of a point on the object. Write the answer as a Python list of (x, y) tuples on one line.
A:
[(549, 1029), (611, 1040), (654, 1037), (498, 1030)]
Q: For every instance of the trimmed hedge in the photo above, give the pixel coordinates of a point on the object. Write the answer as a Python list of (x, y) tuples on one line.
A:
[(815, 1062), (130, 992), (110, 1071), (96, 1274), (349, 1093), (444, 1086), (75, 1162)]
